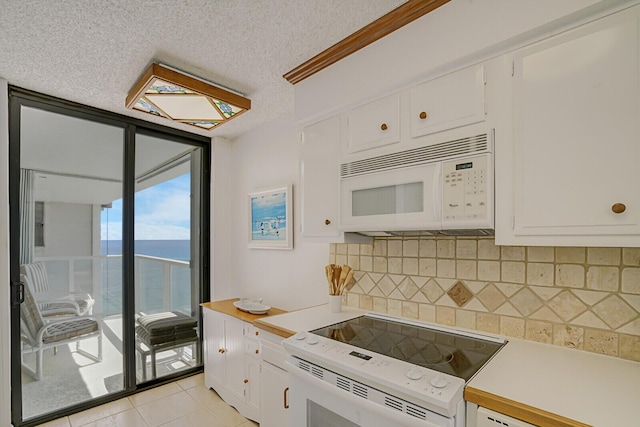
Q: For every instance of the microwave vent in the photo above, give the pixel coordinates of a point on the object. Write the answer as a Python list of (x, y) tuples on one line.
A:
[(417, 156)]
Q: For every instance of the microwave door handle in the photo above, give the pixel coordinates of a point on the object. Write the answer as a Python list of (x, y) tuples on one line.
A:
[(437, 192)]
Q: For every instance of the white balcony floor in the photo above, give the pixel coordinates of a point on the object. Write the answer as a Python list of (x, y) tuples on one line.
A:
[(70, 378)]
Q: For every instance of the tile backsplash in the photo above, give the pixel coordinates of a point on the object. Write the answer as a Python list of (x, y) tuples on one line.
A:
[(584, 298)]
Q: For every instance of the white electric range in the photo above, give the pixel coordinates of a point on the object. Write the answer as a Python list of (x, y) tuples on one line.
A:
[(377, 370)]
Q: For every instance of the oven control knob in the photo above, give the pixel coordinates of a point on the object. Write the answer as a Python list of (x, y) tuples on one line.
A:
[(300, 335), (438, 382), (414, 374), (312, 340)]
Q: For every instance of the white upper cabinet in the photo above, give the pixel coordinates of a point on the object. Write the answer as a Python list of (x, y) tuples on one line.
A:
[(374, 125), (576, 139), (450, 101), (320, 176)]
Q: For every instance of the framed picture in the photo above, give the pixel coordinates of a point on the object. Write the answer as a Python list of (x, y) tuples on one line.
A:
[(270, 219)]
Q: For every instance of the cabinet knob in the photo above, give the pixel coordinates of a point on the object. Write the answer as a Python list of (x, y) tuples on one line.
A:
[(257, 351), (221, 350), (383, 126), (327, 222), (246, 380), (257, 333), (618, 208), (423, 115)]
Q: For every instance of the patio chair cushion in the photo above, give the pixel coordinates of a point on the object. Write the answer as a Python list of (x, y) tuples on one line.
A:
[(166, 323), (151, 340), (70, 329)]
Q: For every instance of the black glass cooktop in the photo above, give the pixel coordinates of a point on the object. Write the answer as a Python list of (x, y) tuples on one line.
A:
[(445, 352)]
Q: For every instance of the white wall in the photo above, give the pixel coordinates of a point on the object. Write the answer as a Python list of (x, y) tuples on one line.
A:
[(5, 337), (68, 230), (290, 280)]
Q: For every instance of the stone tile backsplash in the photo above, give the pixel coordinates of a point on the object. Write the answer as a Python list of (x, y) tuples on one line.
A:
[(584, 298)]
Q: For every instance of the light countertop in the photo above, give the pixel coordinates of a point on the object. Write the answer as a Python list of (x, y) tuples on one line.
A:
[(549, 385), (227, 307), (288, 324)]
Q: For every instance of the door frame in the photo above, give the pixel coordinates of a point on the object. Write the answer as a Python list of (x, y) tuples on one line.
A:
[(19, 97)]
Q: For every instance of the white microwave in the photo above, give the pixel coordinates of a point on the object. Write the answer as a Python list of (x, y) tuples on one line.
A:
[(454, 195)]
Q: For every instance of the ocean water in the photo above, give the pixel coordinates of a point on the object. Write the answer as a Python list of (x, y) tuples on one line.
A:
[(150, 298), (172, 249)]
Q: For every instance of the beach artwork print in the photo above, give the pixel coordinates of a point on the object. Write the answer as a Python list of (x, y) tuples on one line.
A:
[(269, 213)]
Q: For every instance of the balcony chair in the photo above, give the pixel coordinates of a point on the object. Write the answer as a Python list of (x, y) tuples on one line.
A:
[(41, 335), (70, 305)]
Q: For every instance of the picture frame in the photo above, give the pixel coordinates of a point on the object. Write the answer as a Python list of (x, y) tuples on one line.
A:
[(270, 218)]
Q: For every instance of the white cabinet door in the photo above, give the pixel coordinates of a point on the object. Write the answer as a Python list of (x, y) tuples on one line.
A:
[(252, 386), (214, 347), (450, 101), (320, 173), (274, 397), (576, 132), (235, 358), (374, 124)]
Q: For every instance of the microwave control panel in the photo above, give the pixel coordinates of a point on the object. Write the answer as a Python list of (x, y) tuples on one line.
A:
[(465, 194)]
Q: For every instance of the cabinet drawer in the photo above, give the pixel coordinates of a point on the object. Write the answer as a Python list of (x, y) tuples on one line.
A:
[(374, 124), (450, 101), (252, 348), (274, 354), (251, 331)]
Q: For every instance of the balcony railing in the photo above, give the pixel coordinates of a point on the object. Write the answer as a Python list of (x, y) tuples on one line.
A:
[(160, 284)]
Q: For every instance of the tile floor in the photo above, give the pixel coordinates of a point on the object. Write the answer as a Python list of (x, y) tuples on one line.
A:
[(182, 403)]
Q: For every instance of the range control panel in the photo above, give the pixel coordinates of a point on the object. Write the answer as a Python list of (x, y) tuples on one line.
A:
[(466, 189)]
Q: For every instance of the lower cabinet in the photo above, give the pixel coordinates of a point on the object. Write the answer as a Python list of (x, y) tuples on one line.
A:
[(274, 396), (232, 362)]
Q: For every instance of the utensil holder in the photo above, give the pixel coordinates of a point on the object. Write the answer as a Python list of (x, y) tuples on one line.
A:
[(335, 303)]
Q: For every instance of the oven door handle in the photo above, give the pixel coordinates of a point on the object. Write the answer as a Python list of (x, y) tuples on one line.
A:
[(386, 413)]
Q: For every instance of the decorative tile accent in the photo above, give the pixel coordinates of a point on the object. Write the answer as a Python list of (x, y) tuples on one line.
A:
[(526, 302), (614, 311), (584, 298), (567, 306), (432, 290), (491, 297), (460, 294), (408, 289)]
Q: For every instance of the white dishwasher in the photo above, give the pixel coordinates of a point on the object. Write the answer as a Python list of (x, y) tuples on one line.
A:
[(489, 418)]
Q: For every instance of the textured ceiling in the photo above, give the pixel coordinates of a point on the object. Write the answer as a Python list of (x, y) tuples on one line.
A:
[(92, 52)]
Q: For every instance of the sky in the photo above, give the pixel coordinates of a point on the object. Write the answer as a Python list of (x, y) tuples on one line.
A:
[(162, 212)]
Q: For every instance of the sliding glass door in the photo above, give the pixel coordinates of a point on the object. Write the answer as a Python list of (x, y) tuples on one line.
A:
[(107, 243)]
